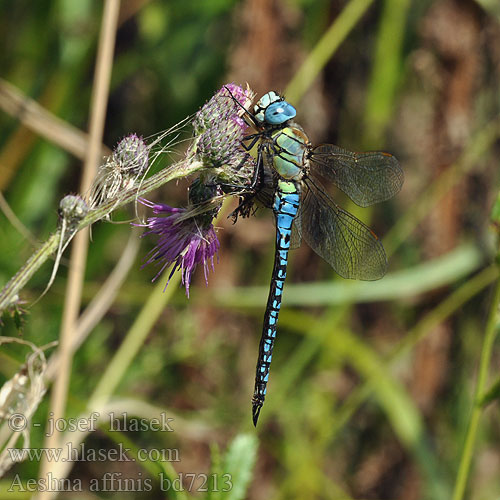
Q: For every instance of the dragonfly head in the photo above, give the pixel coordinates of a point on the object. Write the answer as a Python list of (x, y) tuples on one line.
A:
[(272, 109)]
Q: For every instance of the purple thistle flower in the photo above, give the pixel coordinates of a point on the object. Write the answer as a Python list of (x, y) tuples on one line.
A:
[(184, 241), (221, 115), (186, 235)]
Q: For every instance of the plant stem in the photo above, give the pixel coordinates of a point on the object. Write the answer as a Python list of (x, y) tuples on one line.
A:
[(133, 341), (8, 295), (72, 302), (443, 311), (470, 438), (325, 48), (481, 142)]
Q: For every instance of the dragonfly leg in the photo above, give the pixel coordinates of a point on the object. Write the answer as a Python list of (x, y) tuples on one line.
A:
[(252, 123), (258, 173), (253, 138), (244, 209), (229, 188)]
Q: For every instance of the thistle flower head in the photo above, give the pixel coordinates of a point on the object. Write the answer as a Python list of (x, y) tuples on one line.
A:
[(224, 106), (186, 235), (219, 129)]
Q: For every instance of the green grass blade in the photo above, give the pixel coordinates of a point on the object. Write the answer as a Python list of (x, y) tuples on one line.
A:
[(325, 48), (386, 72), (407, 283)]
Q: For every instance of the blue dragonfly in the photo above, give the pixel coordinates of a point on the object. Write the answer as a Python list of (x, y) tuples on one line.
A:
[(304, 209)]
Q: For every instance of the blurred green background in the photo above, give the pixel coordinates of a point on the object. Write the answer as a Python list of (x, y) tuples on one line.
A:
[(372, 384)]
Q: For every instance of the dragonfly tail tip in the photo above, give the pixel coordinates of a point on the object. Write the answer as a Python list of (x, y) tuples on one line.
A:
[(256, 412)]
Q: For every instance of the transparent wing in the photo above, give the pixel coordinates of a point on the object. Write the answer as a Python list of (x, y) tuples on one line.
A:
[(296, 237), (367, 178), (351, 248), (266, 186)]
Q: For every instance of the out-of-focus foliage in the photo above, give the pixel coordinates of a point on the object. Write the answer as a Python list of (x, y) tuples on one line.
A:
[(372, 384)]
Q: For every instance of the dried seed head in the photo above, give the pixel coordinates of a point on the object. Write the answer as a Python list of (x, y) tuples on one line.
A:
[(19, 399), (131, 155), (121, 170)]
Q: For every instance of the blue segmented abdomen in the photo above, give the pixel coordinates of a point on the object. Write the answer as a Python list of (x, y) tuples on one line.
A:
[(286, 204)]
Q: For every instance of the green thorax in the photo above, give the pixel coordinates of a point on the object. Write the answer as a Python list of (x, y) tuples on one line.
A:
[(289, 152), (288, 187)]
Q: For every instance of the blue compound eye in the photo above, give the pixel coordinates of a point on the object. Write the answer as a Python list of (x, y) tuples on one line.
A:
[(279, 112)]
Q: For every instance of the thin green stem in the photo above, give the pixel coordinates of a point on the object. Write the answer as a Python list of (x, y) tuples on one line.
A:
[(386, 71), (470, 439), (444, 310), (325, 48), (133, 342), (476, 148), (8, 295)]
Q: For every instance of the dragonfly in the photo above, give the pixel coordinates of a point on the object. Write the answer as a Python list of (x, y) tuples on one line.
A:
[(303, 209)]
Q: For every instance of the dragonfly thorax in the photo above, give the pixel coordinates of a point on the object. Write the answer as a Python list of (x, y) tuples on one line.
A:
[(289, 149), (273, 110)]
